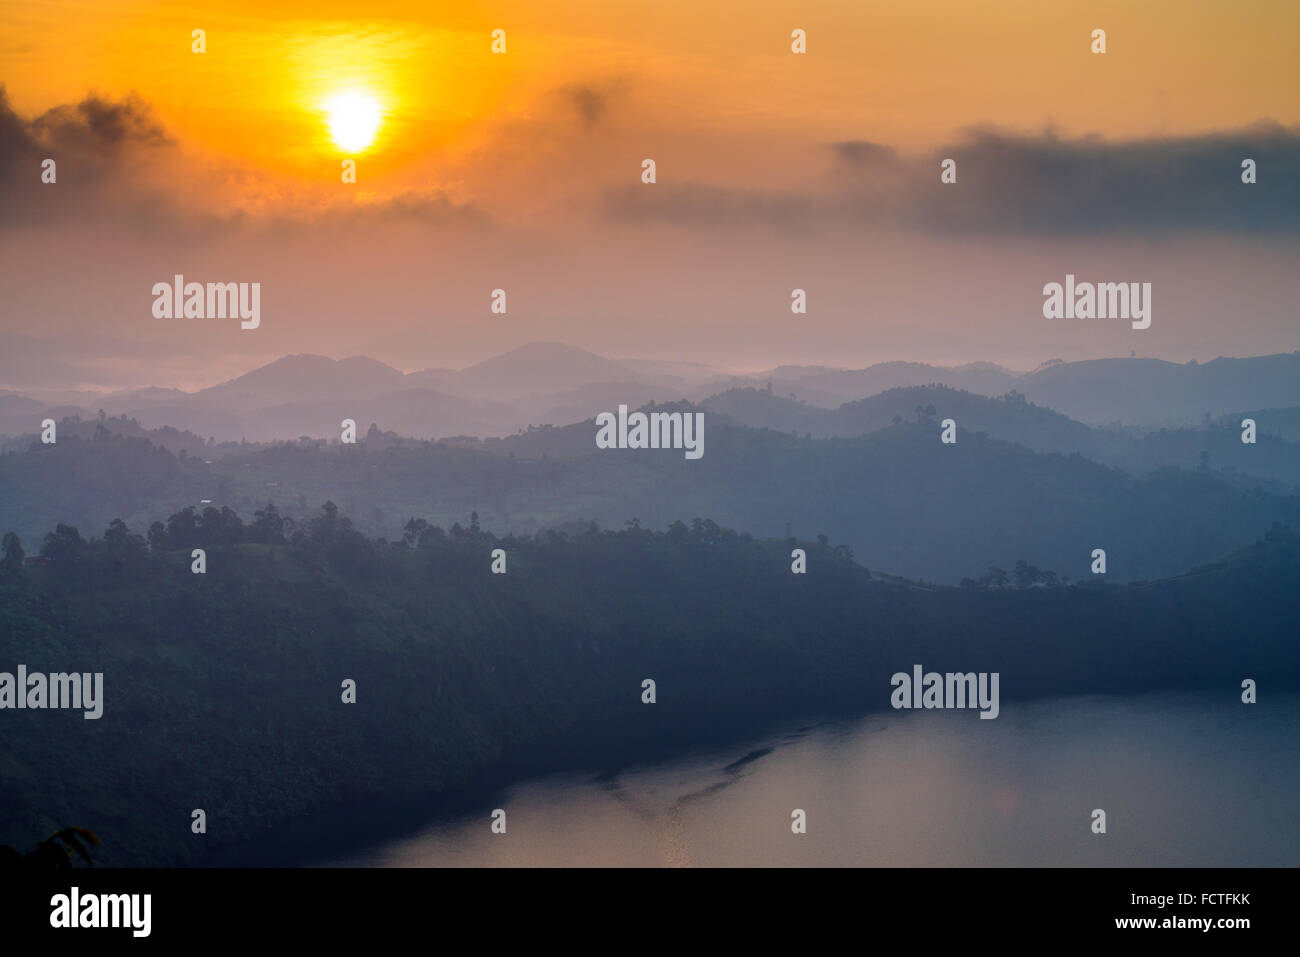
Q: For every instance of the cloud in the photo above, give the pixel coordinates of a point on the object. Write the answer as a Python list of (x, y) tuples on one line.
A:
[(116, 164), (95, 125), (1046, 184), (863, 153), (96, 131), (103, 152), (699, 204), (432, 208), (591, 101), (591, 105), (1016, 185)]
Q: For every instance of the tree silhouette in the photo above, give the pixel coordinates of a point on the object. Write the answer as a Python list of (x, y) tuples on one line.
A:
[(13, 552), (53, 853)]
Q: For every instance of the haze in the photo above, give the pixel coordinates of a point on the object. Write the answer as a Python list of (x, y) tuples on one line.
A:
[(522, 171)]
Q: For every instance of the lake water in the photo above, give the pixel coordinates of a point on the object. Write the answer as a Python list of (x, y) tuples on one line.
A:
[(1185, 780)]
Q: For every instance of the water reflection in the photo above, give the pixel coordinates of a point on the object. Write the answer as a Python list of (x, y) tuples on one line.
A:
[(1185, 780)]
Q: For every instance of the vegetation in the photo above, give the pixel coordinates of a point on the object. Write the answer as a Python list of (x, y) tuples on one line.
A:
[(55, 852), (222, 691), (897, 497)]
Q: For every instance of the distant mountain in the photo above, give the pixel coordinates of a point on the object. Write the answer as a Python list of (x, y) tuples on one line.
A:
[(148, 396), (20, 414), (203, 418), (11, 403), (1098, 391), (687, 375), (539, 368), (809, 381), (586, 402), (30, 363), (296, 378), (436, 379), (904, 502), (553, 384), (1154, 392), (419, 413), (92, 428), (1012, 418)]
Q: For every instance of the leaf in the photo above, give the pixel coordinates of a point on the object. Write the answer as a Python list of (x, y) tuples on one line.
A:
[(88, 835), (69, 837)]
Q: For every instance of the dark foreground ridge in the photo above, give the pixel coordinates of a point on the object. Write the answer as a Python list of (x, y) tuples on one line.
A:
[(223, 691)]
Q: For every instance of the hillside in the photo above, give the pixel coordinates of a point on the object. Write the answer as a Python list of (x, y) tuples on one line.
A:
[(1273, 461), (547, 383), (898, 497), (1155, 392), (222, 691)]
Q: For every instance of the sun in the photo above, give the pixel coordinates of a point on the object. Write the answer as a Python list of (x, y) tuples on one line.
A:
[(354, 120)]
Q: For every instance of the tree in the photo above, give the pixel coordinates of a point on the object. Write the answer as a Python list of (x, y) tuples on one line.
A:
[(115, 535), (268, 526), (413, 530), (124, 548), (182, 528), (324, 526), (1024, 574), (64, 546), (220, 526), (430, 536), (705, 531), (55, 852), (13, 552)]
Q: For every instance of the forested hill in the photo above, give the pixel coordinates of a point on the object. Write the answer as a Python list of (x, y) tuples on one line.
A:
[(222, 690), (901, 499)]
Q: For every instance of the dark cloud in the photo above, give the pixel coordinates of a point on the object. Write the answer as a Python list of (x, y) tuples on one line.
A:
[(1018, 185), (114, 163), (97, 146), (860, 153), (97, 125), (591, 105), (16, 140), (1089, 185), (591, 102)]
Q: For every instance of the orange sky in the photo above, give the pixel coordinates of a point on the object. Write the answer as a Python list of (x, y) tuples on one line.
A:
[(522, 171), (712, 87)]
